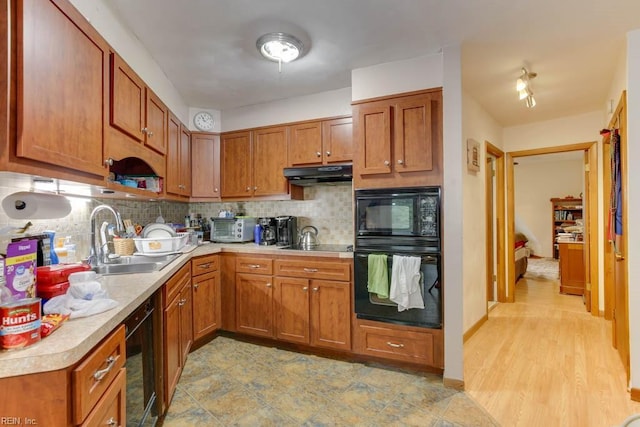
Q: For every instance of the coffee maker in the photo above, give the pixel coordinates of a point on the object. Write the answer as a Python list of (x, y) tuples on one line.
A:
[(286, 230), (267, 230)]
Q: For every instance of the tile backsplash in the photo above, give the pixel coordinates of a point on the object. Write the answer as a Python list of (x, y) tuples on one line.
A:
[(328, 208)]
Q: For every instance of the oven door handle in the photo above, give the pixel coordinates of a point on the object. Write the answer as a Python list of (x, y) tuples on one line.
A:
[(430, 259)]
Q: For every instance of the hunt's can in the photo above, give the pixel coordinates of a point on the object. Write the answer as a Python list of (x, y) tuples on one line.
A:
[(20, 323)]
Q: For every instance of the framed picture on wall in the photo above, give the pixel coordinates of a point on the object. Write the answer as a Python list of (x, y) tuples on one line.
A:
[(473, 155)]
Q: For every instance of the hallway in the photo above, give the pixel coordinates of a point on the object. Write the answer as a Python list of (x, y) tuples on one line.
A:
[(545, 361)]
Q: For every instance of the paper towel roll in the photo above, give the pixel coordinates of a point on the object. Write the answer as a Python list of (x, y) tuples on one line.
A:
[(27, 205)]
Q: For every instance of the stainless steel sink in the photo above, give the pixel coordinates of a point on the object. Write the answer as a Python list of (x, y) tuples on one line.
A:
[(136, 264)]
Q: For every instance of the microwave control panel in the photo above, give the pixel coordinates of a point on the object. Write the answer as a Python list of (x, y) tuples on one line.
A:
[(429, 216)]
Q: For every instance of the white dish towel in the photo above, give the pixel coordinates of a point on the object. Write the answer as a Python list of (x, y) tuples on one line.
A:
[(405, 282)]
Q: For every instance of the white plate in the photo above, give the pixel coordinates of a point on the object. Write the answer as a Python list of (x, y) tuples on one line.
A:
[(157, 230)]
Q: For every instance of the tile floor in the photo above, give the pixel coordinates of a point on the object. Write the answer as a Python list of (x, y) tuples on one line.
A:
[(229, 382)]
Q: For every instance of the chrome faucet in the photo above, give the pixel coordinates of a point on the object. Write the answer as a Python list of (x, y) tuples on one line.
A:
[(100, 254)]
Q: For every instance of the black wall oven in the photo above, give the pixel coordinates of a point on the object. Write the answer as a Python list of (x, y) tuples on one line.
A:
[(399, 222)]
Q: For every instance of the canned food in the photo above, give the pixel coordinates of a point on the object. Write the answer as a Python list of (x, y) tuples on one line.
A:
[(20, 323)]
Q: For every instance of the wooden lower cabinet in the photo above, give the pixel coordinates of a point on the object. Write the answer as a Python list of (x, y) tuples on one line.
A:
[(82, 394), (254, 304), (402, 343), (572, 273), (177, 327), (207, 307)]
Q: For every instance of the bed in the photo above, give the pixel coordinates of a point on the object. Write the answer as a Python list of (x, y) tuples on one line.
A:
[(522, 253)]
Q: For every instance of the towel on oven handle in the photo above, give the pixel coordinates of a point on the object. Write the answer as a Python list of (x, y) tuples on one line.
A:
[(405, 282), (377, 275)]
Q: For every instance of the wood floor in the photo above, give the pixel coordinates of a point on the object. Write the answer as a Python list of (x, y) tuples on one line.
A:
[(544, 360)]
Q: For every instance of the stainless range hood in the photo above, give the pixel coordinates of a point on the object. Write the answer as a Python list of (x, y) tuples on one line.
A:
[(318, 175)]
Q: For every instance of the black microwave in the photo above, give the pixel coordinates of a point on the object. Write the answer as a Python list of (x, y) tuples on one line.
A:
[(398, 212)]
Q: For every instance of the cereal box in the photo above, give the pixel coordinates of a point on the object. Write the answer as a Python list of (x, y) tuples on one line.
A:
[(20, 268)]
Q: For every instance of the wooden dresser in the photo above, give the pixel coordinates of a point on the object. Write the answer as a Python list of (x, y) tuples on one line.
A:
[(572, 277)]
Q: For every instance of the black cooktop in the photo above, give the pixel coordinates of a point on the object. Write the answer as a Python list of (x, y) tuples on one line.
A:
[(327, 248)]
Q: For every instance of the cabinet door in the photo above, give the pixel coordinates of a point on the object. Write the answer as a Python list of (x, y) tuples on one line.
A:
[(373, 138), (172, 182), (186, 323), (205, 165), (254, 304), (292, 309), (172, 347), (206, 304), (127, 99), (305, 145), (185, 160), (330, 314), (235, 165), (415, 132), (155, 129), (337, 141), (62, 87), (269, 158)]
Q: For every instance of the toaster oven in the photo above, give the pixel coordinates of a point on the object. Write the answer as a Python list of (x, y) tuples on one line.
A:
[(232, 230)]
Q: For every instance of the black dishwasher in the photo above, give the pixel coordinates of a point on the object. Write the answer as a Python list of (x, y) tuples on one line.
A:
[(142, 371)]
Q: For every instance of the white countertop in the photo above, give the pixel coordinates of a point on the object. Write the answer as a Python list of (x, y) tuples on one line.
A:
[(75, 338)]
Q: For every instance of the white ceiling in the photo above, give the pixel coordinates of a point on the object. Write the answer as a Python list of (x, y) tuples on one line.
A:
[(207, 47)]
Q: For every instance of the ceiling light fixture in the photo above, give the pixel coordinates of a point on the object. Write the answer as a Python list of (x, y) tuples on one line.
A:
[(280, 47), (523, 86)]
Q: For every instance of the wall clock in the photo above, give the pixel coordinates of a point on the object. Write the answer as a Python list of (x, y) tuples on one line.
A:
[(203, 121)]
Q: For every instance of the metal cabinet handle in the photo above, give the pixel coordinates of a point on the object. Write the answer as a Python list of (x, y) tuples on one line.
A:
[(400, 162), (328, 153), (109, 162), (144, 130), (268, 285), (318, 154), (390, 344), (112, 422), (248, 188), (195, 286), (315, 289), (253, 265), (182, 302), (306, 288), (386, 162), (149, 134), (215, 189), (619, 256), (99, 374), (310, 270), (203, 266)]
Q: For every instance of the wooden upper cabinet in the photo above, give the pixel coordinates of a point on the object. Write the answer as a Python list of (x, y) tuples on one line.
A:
[(178, 179), (337, 140), (62, 89), (269, 158), (128, 99), (373, 138), (156, 119), (321, 142), (235, 163), (205, 165), (305, 146), (399, 141)]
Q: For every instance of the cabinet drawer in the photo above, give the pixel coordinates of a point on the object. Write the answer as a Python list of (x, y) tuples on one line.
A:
[(93, 376), (175, 284), (395, 343), (110, 410), (330, 270), (254, 265), (205, 264)]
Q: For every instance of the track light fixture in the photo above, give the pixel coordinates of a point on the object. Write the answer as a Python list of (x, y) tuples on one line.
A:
[(523, 86)]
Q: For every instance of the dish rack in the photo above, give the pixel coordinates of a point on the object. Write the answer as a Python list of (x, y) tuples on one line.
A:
[(154, 245)]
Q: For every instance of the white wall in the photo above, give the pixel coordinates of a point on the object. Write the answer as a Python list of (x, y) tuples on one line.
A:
[(390, 78), (536, 182), (633, 197), (551, 133), (131, 50), (477, 124), (319, 105)]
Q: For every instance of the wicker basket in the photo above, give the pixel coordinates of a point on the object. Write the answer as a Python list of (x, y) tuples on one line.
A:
[(123, 246)]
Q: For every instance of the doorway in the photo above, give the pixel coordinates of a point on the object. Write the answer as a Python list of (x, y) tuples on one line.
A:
[(590, 215), (494, 205)]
